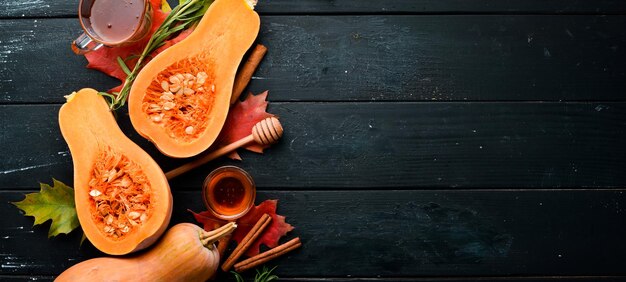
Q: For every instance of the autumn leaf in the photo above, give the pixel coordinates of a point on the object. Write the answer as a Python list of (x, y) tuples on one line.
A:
[(169, 43), (165, 7), (277, 229), (52, 203), (241, 119)]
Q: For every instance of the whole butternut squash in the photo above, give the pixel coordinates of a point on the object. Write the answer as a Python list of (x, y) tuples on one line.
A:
[(122, 197), (180, 99), (185, 253)]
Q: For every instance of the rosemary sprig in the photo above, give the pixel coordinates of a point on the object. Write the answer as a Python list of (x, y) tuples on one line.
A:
[(181, 17), (264, 275)]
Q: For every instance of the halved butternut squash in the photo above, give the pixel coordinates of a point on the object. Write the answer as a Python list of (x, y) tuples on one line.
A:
[(180, 99), (123, 200)]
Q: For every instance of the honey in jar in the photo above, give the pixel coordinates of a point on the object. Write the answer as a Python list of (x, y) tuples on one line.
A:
[(229, 192)]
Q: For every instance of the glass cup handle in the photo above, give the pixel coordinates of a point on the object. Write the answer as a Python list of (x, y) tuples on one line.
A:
[(84, 44)]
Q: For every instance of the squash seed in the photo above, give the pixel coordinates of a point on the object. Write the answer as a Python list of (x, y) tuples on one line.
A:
[(168, 106), (189, 130), (134, 215), (174, 88)]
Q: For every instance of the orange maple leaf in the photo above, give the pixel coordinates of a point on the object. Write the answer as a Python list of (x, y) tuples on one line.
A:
[(241, 119)]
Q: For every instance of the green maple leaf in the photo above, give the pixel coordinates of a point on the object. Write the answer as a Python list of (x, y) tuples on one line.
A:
[(52, 203)]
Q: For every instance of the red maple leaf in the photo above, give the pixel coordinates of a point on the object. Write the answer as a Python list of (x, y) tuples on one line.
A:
[(241, 119), (277, 229), (105, 58)]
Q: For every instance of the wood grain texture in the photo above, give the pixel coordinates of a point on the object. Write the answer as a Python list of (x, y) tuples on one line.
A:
[(379, 145), (370, 58), (69, 8), (466, 279), (249, 277), (396, 234), (410, 127)]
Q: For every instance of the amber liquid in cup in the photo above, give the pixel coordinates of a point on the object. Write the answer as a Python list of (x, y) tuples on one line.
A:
[(111, 23), (229, 192)]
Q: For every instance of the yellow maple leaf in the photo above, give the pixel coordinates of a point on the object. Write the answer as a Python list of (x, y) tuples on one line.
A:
[(54, 203), (165, 7)]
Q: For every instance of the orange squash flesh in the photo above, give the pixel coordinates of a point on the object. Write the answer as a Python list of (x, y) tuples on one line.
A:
[(182, 119), (122, 197)]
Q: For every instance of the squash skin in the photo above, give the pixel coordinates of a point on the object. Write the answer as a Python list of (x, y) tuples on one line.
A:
[(87, 125), (227, 31), (179, 256)]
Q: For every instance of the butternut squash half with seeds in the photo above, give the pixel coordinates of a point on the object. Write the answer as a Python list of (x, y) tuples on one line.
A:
[(180, 99), (123, 199)]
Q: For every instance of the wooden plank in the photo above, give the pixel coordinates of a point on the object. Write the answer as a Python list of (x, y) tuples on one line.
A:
[(371, 58), (466, 279), (388, 234), (37, 64), (13, 278), (379, 145), (68, 8)]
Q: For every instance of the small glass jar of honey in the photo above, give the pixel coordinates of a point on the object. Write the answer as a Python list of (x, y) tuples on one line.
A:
[(228, 192)]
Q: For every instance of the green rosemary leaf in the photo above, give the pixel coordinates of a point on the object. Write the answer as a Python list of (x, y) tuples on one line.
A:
[(123, 66), (238, 277), (109, 98), (177, 28), (263, 275), (131, 57)]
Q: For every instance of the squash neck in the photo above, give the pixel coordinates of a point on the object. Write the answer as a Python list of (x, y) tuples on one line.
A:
[(210, 237)]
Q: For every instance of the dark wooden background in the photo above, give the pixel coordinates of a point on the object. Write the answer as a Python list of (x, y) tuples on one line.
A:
[(425, 139)]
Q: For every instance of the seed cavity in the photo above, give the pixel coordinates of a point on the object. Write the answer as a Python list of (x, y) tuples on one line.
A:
[(179, 98), (119, 194)]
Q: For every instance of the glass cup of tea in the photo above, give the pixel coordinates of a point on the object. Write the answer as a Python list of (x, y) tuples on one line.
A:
[(111, 23)]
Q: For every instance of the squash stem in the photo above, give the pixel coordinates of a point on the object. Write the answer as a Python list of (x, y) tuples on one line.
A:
[(208, 238), (251, 3)]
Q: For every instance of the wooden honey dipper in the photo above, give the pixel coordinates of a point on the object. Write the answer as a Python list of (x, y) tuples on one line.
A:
[(265, 132)]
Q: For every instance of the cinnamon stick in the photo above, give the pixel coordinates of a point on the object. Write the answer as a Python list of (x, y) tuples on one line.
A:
[(247, 241), (267, 256), (245, 74)]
